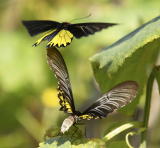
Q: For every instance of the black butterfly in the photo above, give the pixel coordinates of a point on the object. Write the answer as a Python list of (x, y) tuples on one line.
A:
[(117, 97), (61, 34)]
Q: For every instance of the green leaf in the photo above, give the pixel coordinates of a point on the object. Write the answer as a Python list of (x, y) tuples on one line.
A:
[(73, 138), (66, 142), (117, 144), (131, 58), (157, 75)]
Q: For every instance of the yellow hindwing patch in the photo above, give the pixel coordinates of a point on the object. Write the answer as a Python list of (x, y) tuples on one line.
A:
[(42, 38), (88, 117), (64, 103), (63, 38), (69, 110)]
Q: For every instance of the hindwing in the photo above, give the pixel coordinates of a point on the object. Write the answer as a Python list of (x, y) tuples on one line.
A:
[(58, 66), (116, 98)]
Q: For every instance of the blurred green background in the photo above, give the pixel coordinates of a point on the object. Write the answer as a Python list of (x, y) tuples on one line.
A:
[(28, 102)]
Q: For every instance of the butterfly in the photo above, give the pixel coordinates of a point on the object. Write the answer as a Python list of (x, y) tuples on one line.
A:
[(61, 34), (116, 98)]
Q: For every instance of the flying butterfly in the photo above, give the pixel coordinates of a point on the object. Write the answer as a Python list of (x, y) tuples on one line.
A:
[(61, 34), (116, 98)]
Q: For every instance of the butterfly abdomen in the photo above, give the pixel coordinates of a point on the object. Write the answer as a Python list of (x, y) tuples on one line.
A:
[(67, 123)]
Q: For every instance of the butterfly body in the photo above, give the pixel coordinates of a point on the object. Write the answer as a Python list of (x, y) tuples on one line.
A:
[(61, 34), (71, 120)]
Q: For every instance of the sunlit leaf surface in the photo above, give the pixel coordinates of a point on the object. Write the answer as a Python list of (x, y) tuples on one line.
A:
[(130, 58)]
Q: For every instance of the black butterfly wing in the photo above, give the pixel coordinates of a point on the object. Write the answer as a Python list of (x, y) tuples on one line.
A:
[(38, 26), (116, 98), (85, 29), (58, 66)]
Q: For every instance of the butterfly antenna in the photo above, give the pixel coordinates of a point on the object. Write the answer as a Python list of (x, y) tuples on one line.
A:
[(81, 17)]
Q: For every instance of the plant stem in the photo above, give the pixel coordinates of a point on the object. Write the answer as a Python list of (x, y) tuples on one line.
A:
[(120, 129), (147, 108)]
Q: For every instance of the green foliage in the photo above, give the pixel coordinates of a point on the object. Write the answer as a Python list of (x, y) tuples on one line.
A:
[(73, 138), (115, 144), (64, 142), (153, 75), (131, 58), (120, 129), (139, 131)]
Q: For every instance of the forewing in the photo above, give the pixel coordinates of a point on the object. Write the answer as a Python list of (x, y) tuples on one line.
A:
[(58, 66), (116, 98), (38, 26), (85, 29)]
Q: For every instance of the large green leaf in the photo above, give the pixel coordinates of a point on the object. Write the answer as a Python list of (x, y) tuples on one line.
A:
[(130, 58)]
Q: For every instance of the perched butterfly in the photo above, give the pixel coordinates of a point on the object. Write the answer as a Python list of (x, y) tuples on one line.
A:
[(117, 97), (61, 34)]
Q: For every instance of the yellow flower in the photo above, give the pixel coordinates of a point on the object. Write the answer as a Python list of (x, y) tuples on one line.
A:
[(49, 97)]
